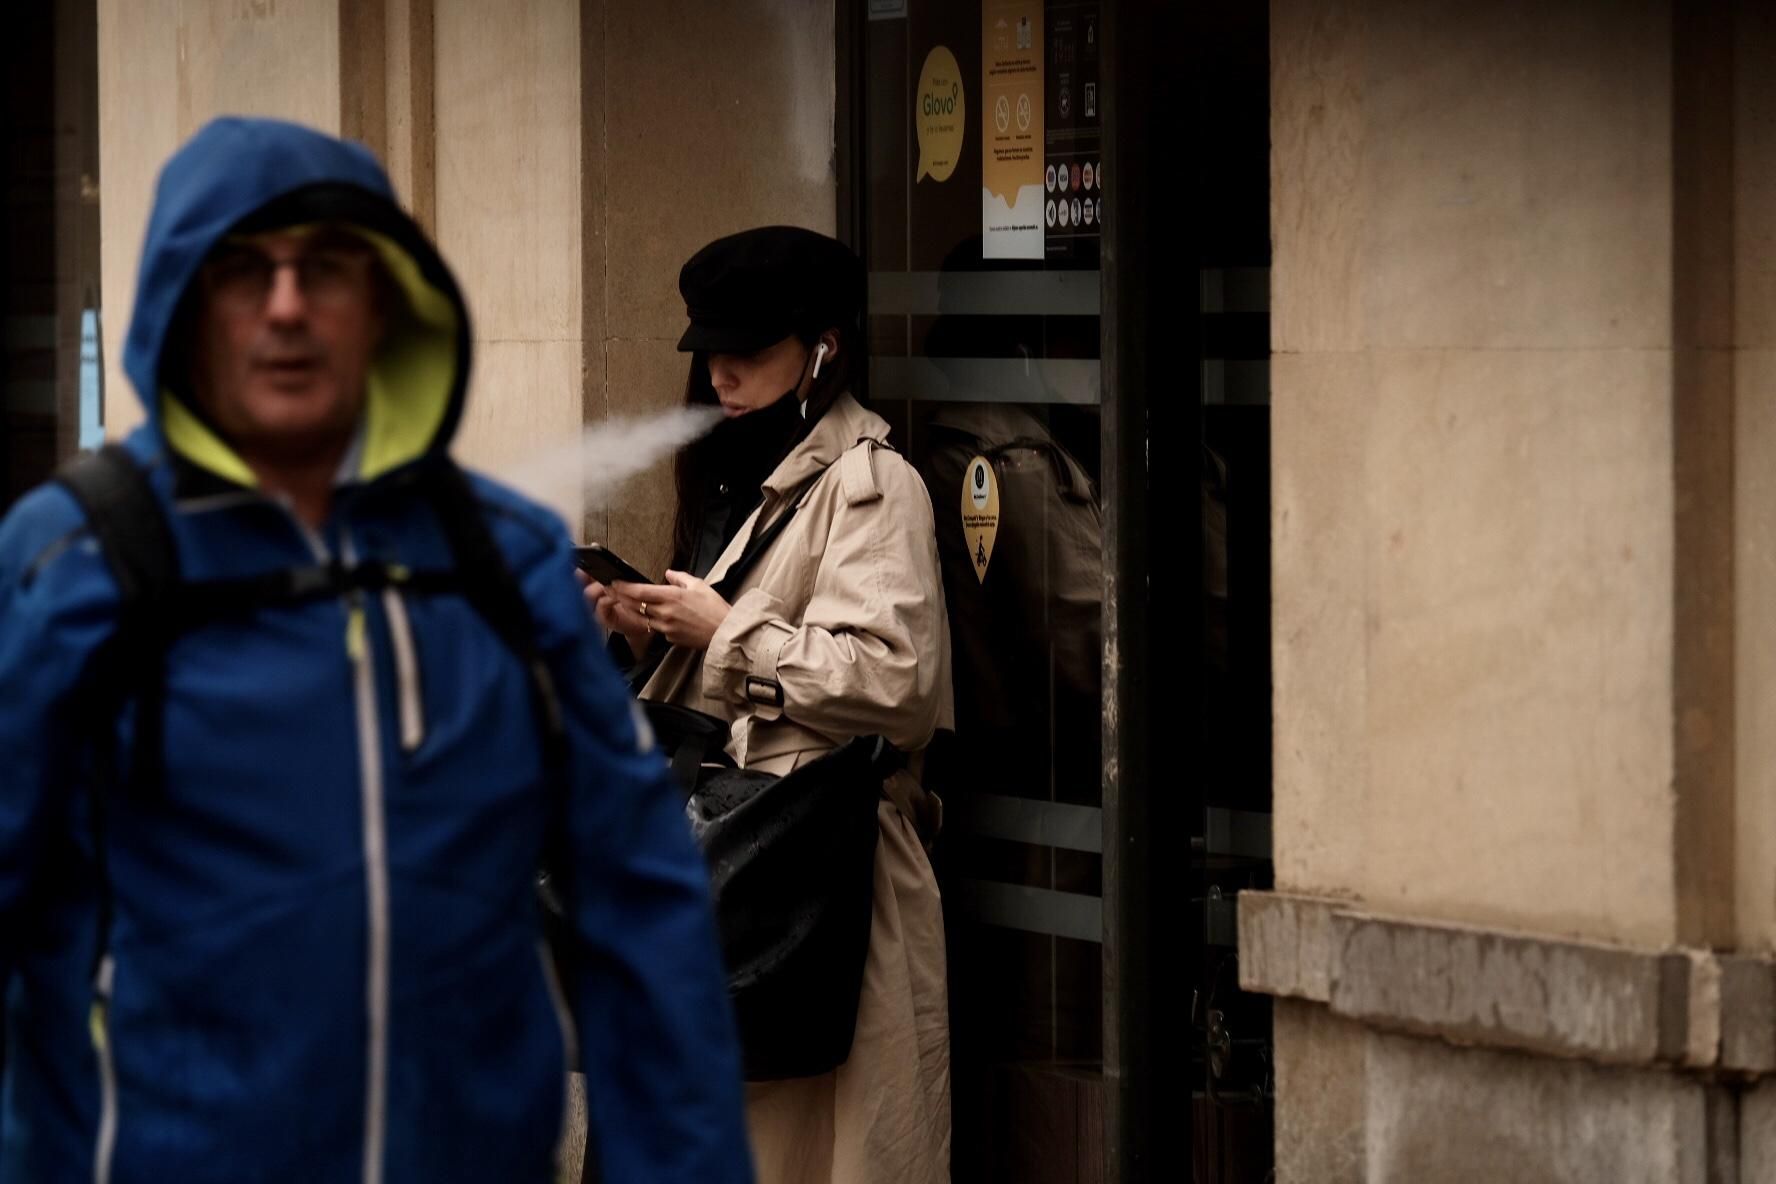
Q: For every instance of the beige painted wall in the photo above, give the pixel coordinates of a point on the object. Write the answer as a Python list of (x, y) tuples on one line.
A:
[(1525, 589), (1524, 576), (1475, 484), (508, 218), (567, 154)]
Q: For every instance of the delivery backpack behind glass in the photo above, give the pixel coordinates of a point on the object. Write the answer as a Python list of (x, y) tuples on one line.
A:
[(1025, 607)]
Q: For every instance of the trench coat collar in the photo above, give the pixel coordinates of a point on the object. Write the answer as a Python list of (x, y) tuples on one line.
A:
[(845, 423)]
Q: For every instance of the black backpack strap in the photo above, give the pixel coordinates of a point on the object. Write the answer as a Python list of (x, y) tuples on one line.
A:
[(123, 515), (203, 601), (760, 543), (487, 583), (126, 519)]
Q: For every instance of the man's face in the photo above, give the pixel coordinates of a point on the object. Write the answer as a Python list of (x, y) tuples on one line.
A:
[(287, 326)]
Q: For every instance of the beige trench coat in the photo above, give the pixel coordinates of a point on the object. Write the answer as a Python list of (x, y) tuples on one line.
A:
[(839, 630)]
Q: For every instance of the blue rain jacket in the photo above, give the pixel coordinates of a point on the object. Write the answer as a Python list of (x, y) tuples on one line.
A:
[(326, 962)]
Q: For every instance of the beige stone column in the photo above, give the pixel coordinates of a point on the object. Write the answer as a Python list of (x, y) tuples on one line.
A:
[(1521, 526)]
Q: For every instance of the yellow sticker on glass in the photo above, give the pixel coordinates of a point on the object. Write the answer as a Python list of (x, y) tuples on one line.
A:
[(940, 112), (980, 514)]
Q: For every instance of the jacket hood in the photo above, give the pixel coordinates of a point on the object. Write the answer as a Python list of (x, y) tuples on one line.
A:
[(241, 175)]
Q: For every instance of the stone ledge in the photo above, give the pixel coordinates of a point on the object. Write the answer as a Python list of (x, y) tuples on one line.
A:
[(1469, 985), (1748, 1014), (1285, 944), (1503, 991)]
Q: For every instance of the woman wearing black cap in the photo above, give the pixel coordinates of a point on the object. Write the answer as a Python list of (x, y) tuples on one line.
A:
[(837, 629)]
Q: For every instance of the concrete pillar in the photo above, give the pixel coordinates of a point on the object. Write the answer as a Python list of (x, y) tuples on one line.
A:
[(1522, 555)]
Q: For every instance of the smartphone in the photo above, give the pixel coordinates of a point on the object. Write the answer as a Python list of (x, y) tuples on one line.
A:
[(605, 566)]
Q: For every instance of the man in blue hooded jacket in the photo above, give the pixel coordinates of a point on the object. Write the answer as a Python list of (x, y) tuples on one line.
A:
[(308, 946)]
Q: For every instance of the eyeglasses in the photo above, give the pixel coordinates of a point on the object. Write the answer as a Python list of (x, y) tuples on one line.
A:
[(331, 270)]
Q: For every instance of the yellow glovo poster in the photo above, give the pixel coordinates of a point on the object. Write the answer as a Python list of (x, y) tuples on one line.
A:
[(1011, 129), (980, 514), (940, 112)]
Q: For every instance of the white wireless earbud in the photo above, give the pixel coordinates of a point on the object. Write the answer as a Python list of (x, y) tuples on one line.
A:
[(819, 356)]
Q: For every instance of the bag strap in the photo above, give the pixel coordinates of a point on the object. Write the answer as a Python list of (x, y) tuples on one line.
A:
[(203, 601), (691, 736), (761, 542), (133, 535), (125, 517), (156, 604), (489, 586), (1071, 479), (123, 514)]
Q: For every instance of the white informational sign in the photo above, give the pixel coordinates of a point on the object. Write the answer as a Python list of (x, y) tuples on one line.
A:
[(1012, 207)]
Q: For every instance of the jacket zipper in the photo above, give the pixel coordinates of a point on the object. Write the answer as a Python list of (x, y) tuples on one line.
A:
[(570, 1040), (99, 1024), (376, 890), (412, 703), (357, 647), (376, 882)]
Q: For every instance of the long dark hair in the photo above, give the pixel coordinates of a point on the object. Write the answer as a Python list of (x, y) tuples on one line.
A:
[(693, 469)]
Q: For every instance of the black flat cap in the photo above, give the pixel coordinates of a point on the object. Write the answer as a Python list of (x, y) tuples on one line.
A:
[(751, 290)]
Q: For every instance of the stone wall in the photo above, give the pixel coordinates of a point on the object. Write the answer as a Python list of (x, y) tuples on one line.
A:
[(1524, 294)]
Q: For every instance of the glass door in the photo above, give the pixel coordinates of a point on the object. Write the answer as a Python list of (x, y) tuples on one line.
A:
[(980, 219), (1056, 351)]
